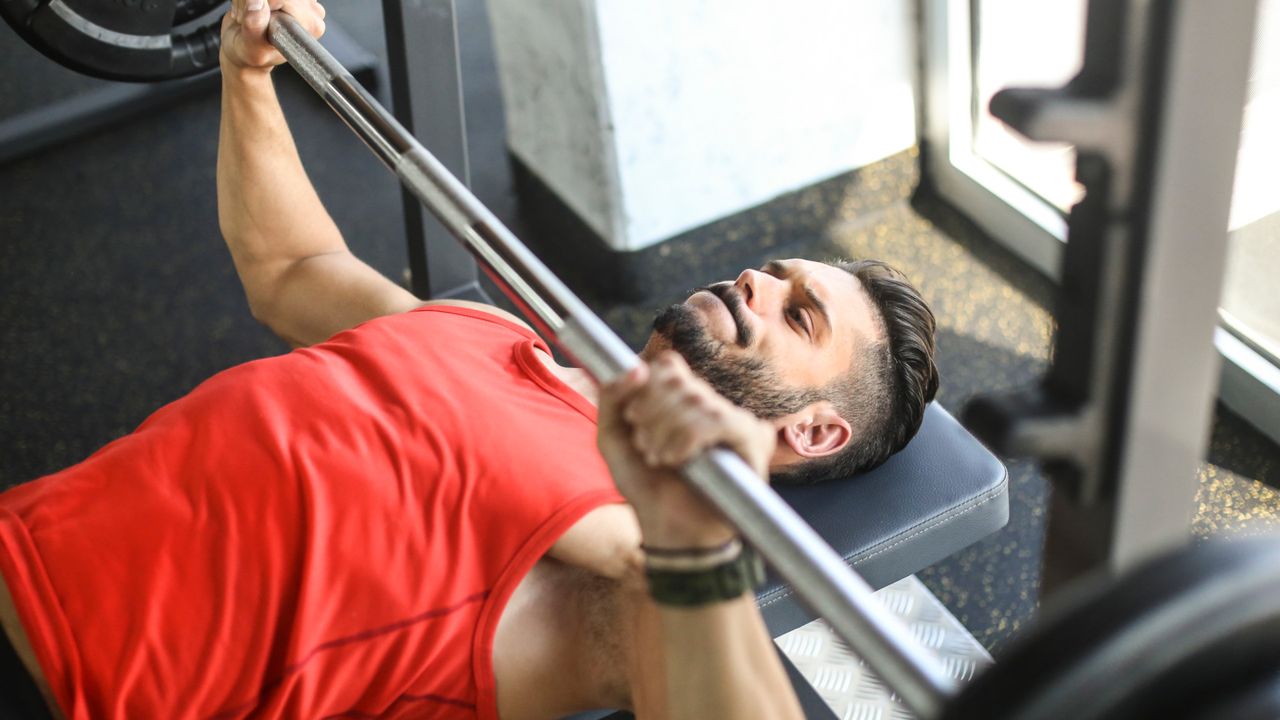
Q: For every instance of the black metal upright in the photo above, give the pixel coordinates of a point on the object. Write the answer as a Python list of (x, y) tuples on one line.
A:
[(1120, 420), (426, 88)]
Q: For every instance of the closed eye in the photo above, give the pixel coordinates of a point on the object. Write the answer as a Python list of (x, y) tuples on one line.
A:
[(801, 314), (801, 320)]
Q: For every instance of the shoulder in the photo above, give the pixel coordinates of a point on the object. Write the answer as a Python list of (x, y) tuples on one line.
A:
[(481, 307)]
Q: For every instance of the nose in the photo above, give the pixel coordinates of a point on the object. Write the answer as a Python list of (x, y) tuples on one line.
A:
[(760, 291)]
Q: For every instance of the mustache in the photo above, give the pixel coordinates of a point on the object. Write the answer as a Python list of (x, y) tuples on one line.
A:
[(732, 299)]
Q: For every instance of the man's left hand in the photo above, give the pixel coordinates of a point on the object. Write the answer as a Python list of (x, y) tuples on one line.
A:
[(651, 423)]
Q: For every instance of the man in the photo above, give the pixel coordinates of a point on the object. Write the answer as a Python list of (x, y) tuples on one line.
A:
[(407, 515), (687, 661)]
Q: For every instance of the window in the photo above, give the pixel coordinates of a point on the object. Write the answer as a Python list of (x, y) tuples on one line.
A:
[(1250, 311), (1029, 45), (1019, 192)]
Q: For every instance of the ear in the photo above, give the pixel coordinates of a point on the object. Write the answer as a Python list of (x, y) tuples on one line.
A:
[(816, 431)]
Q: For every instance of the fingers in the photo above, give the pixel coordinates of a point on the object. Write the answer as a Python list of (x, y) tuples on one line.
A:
[(255, 18), (244, 30), (615, 395), (753, 439), (671, 385), (676, 415), (625, 386), (688, 430), (244, 39), (309, 13)]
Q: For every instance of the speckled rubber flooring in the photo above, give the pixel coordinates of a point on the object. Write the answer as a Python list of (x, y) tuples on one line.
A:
[(116, 294)]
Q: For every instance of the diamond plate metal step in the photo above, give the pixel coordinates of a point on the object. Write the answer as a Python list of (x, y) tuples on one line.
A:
[(851, 690)]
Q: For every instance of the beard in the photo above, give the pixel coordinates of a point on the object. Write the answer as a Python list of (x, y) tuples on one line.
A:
[(747, 382)]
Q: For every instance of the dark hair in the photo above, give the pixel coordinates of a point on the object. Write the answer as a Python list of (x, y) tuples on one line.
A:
[(884, 394)]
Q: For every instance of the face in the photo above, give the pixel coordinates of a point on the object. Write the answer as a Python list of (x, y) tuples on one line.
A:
[(770, 340)]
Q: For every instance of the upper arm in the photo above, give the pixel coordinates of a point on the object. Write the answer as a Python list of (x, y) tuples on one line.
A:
[(312, 298), (315, 297)]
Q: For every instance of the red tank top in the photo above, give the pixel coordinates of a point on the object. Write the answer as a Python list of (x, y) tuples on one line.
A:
[(329, 533)]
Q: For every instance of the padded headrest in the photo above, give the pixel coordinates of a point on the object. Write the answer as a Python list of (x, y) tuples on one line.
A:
[(939, 494)]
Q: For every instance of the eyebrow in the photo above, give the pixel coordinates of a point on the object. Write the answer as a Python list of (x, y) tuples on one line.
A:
[(775, 267)]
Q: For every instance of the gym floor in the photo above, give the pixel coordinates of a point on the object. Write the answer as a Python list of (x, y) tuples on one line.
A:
[(118, 294)]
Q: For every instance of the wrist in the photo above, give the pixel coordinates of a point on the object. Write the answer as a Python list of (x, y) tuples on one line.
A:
[(235, 72), (666, 532), (705, 577), (691, 559)]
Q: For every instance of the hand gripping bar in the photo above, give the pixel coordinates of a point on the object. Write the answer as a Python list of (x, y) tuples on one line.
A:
[(795, 550)]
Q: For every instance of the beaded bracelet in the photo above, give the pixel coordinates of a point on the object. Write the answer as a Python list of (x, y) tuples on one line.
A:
[(691, 559), (693, 587)]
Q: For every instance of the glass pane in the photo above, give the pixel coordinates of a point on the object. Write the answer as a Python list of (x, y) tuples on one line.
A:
[(1035, 44), (1251, 298)]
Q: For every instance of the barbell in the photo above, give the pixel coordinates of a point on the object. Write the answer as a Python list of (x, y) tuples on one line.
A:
[(1193, 634), (134, 40)]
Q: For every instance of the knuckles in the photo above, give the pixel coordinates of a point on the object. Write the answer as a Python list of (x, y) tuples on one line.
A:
[(661, 435)]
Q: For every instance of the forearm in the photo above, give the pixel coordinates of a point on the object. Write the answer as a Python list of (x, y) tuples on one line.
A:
[(713, 661), (696, 655), (268, 211), (720, 662), (717, 658)]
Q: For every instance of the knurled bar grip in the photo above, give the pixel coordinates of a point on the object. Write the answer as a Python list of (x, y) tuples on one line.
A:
[(795, 550)]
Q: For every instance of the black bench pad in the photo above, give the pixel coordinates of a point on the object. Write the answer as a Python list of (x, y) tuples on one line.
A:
[(941, 493)]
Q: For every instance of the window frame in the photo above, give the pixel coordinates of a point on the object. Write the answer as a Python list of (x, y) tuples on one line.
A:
[(1021, 221)]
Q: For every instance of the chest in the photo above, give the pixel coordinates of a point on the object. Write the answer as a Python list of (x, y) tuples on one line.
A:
[(558, 649)]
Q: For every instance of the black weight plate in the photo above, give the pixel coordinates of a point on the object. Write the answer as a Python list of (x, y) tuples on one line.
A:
[(1152, 645), (131, 40), (17, 13), (1259, 700)]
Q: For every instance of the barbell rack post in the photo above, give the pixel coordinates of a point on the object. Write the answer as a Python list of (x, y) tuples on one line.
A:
[(819, 575)]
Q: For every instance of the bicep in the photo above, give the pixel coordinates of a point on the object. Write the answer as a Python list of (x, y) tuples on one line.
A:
[(320, 295)]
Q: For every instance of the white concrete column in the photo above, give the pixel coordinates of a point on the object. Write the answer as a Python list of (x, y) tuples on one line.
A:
[(652, 118)]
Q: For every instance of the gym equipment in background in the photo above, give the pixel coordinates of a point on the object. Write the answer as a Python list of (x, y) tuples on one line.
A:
[(140, 40), (47, 27), (1194, 633), (1119, 422), (791, 546)]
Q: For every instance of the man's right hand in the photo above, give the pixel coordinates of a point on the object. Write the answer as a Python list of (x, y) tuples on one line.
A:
[(244, 31)]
